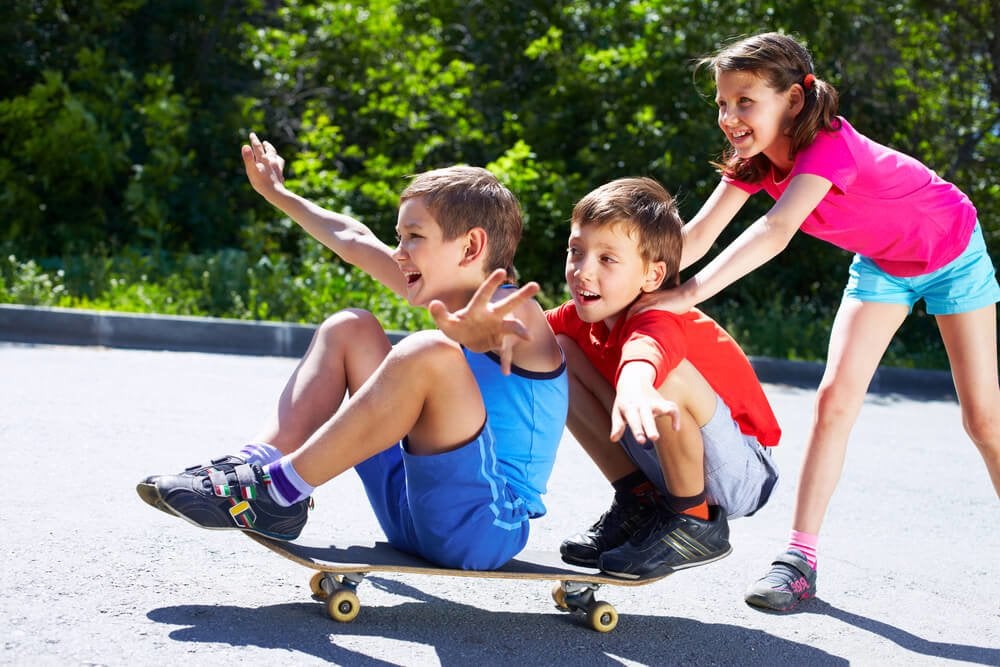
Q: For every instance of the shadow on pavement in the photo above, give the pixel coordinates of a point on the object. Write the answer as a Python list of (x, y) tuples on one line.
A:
[(902, 638), (461, 634)]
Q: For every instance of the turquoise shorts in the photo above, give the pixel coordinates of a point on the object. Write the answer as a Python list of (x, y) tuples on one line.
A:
[(455, 509), (965, 284)]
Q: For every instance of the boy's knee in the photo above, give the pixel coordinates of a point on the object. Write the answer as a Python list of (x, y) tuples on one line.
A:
[(356, 323), (431, 348)]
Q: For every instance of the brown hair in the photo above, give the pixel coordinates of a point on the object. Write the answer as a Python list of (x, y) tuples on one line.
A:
[(461, 198), (782, 62), (648, 211)]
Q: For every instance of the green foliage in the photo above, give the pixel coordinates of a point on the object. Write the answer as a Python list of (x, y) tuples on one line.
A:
[(120, 123)]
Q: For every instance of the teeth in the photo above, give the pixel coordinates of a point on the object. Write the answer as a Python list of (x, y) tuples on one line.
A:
[(740, 134), (587, 294)]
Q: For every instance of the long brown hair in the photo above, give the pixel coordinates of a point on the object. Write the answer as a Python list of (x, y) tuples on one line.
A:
[(782, 62)]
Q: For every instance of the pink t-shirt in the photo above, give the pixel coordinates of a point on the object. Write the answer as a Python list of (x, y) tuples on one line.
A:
[(883, 205)]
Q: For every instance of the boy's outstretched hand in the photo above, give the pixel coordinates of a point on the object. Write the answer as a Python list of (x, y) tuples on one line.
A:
[(484, 325), (638, 405), (263, 165)]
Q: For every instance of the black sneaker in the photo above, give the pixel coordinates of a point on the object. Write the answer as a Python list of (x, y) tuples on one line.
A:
[(613, 529), (147, 487), (790, 580), (670, 542), (226, 496)]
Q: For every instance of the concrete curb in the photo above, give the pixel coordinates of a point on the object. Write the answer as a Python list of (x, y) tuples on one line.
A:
[(67, 326)]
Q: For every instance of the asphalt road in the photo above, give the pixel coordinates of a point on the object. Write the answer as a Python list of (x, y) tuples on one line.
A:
[(909, 570)]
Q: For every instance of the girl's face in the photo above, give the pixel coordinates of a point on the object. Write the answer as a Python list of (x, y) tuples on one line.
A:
[(605, 272), (755, 117)]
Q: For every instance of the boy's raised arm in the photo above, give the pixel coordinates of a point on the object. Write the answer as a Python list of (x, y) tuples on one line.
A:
[(351, 240)]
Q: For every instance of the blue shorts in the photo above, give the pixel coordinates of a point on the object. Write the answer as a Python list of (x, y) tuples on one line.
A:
[(739, 472), (455, 508), (965, 284)]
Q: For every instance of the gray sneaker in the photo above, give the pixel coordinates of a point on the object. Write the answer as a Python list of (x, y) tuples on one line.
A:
[(790, 580)]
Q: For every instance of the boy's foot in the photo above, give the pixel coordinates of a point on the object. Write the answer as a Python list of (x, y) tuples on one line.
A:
[(227, 495), (670, 542), (147, 487), (790, 581), (613, 529)]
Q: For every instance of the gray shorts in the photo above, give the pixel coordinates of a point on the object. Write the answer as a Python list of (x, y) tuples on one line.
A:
[(739, 472)]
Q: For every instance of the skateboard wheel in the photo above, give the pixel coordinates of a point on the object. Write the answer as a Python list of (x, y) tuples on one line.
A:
[(602, 617), (559, 597), (343, 606), (316, 586)]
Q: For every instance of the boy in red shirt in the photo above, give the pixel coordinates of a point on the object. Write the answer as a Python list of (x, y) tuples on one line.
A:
[(675, 391)]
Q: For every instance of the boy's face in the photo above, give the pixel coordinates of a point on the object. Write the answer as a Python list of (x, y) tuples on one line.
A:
[(605, 272), (428, 262)]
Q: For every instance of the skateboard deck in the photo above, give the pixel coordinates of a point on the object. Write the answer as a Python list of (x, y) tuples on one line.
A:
[(339, 570)]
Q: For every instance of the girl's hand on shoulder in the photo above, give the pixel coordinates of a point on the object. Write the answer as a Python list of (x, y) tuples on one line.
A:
[(484, 325), (671, 300)]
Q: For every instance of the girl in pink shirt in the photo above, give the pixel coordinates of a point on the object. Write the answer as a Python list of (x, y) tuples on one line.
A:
[(915, 237)]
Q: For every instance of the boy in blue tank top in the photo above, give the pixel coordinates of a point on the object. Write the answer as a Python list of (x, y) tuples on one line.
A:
[(454, 448)]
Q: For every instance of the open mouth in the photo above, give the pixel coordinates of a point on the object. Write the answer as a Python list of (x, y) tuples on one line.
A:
[(739, 135), (586, 296), (412, 277)]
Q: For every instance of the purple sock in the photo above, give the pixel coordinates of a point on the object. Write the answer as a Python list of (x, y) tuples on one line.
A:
[(286, 486), (260, 453)]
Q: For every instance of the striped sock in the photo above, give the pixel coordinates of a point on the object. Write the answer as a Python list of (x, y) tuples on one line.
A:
[(286, 487), (806, 543), (260, 453)]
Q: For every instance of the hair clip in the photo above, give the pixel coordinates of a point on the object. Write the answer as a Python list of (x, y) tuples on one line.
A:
[(808, 81)]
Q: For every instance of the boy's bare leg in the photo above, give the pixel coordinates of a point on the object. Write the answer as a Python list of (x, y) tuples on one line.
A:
[(423, 390), (682, 453), (345, 350)]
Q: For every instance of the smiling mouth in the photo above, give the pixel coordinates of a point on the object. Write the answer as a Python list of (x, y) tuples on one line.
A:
[(587, 296), (412, 277), (739, 134)]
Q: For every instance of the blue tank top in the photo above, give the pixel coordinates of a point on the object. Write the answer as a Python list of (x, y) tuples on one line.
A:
[(527, 413)]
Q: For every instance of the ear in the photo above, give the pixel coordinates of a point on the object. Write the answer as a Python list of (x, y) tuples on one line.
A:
[(655, 273), (475, 245), (796, 99)]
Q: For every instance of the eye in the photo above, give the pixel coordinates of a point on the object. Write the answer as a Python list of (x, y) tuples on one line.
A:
[(744, 101), (572, 252), (607, 259)]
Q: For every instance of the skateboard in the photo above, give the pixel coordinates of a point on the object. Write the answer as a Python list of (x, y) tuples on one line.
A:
[(339, 571)]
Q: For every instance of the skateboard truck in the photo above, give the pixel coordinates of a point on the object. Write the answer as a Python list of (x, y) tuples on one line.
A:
[(578, 596)]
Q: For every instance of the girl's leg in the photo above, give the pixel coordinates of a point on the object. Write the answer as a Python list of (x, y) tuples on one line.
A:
[(861, 333), (971, 341), (345, 350)]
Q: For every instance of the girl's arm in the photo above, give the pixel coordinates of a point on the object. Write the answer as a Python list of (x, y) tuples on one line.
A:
[(350, 239), (704, 228), (757, 245)]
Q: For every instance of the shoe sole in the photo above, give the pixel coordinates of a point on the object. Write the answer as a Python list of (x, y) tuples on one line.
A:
[(762, 602), (664, 570), (151, 496)]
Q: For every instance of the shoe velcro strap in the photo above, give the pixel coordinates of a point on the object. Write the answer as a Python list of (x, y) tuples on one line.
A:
[(220, 484), (793, 561), (247, 481)]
